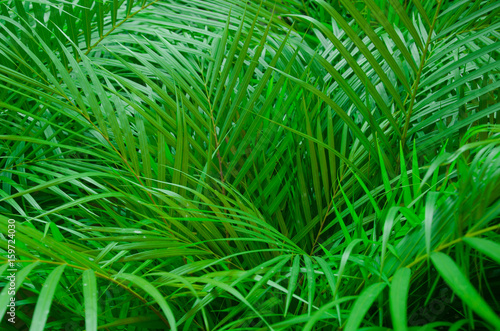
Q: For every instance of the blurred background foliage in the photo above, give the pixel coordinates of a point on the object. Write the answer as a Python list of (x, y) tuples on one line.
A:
[(274, 165)]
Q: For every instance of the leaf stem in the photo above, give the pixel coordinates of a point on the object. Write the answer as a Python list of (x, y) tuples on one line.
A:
[(419, 74)]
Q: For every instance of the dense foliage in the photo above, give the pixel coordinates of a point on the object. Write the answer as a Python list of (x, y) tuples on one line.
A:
[(238, 165)]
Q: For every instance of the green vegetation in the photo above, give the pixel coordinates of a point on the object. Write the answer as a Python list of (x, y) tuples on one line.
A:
[(238, 165)]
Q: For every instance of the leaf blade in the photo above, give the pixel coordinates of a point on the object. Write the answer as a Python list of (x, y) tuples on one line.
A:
[(454, 277)]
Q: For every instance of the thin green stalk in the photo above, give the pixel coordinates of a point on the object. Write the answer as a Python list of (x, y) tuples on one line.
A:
[(419, 73)]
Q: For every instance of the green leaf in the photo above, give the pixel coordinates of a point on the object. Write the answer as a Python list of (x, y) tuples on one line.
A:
[(292, 283), (154, 293), (311, 284), (362, 304), (44, 302), (400, 288), (90, 293), (430, 205), (320, 314), (487, 247), (455, 278)]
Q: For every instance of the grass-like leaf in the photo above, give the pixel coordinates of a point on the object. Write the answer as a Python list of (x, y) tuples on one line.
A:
[(455, 278), (42, 307)]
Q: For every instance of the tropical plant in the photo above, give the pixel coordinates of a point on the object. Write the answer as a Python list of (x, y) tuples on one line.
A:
[(216, 165)]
